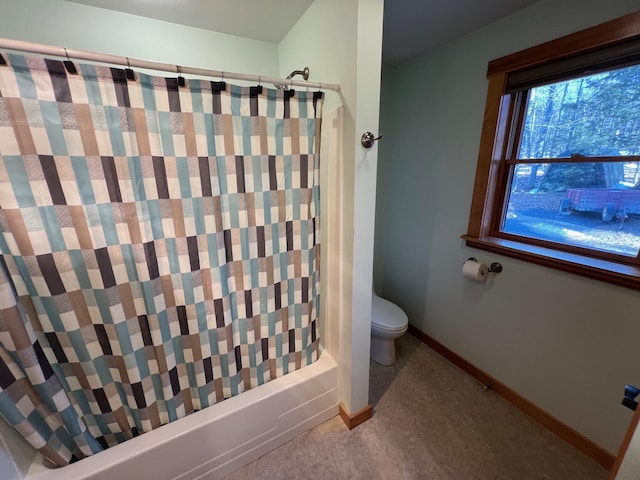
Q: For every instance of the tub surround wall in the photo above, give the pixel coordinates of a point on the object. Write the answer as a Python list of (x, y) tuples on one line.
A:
[(566, 343), (16, 454), (331, 207)]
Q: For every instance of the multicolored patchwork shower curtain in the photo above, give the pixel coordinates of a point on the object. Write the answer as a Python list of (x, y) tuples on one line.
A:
[(159, 248)]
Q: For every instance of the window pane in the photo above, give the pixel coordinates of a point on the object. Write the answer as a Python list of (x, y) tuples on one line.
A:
[(594, 115), (591, 205)]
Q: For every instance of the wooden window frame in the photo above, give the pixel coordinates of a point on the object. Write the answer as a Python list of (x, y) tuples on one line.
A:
[(492, 169)]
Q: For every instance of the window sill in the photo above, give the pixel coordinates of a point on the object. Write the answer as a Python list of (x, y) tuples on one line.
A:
[(603, 270)]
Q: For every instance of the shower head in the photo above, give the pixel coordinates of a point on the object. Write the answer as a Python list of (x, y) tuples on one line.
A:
[(304, 73)]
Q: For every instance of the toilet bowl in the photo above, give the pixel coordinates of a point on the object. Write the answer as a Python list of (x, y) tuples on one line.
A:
[(388, 322)]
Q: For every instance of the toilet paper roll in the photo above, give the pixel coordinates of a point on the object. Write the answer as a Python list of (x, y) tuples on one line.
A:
[(475, 271)]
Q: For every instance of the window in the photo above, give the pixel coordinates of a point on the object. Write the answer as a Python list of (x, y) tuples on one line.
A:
[(558, 178)]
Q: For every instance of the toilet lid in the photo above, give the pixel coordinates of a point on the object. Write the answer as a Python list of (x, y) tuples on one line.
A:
[(387, 315)]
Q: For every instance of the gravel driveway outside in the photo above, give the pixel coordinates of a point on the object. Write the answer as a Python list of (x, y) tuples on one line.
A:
[(538, 215)]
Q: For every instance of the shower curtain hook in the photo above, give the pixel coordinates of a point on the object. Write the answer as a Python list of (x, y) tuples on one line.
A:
[(222, 76), (181, 81), (259, 81), (68, 64), (129, 71)]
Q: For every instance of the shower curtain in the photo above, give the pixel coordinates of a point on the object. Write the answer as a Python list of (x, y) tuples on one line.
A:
[(159, 247)]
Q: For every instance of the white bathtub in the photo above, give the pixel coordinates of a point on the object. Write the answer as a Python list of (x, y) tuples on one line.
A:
[(217, 440)]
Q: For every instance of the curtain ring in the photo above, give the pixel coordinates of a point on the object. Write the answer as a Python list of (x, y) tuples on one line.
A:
[(129, 72), (66, 53), (259, 81), (222, 76), (181, 81)]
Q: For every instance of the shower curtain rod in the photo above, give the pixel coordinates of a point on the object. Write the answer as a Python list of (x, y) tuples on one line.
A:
[(42, 49)]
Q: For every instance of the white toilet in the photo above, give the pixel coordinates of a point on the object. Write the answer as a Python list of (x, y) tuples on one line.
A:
[(388, 322)]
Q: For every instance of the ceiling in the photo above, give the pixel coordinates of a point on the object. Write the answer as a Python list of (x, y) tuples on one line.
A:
[(266, 20), (413, 26), (410, 26)]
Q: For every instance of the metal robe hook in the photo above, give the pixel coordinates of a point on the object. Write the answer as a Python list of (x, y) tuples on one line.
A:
[(368, 138)]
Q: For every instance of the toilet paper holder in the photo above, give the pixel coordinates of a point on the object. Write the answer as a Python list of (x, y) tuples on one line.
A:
[(495, 267)]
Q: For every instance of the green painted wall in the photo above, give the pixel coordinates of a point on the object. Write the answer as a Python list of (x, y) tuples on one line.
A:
[(569, 344), (82, 27)]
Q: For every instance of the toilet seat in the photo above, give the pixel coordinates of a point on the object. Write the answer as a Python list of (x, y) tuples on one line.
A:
[(394, 332), (387, 316)]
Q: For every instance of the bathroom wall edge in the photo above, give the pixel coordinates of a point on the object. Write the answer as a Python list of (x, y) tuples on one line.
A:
[(353, 420)]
